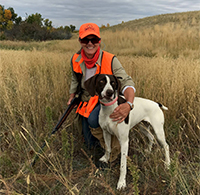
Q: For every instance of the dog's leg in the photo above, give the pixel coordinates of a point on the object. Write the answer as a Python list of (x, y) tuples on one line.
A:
[(107, 139), (124, 152), (160, 134), (145, 129)]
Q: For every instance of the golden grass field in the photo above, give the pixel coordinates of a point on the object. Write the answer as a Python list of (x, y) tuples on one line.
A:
[(164, 62)]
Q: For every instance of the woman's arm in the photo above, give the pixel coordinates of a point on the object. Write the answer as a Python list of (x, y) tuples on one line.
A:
[(122, 111)]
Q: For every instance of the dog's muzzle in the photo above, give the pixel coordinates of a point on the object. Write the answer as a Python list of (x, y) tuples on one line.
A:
[(108, 95)]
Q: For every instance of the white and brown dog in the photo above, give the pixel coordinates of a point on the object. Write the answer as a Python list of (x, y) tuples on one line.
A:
[(107, 88)]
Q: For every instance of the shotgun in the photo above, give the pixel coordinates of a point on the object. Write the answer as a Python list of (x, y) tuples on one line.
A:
[(75, 101)]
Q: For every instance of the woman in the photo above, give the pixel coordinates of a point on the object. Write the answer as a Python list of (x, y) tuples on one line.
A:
[(91, 60)]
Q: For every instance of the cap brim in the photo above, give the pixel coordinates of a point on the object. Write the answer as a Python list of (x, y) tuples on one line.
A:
[(87, 34)]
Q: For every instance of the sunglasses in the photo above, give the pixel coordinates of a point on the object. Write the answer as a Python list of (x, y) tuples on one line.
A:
[(93, 40)]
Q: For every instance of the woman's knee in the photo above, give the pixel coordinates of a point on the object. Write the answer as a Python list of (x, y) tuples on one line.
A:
[(93, 119), (93, 122)]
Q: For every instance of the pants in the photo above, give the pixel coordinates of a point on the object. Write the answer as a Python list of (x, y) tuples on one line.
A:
[(93, 122)]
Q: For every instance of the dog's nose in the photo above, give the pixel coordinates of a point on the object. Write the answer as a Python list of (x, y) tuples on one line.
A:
[(109, 93)]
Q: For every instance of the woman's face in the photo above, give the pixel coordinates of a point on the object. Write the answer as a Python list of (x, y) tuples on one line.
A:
[(90, 45)]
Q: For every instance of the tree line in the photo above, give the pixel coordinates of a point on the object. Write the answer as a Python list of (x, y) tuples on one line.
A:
[(34, 27)]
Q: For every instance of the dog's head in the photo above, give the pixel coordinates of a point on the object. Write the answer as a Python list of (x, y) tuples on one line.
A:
[(107, 87)]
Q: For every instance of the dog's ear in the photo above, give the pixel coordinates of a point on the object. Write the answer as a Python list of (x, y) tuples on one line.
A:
[(90, 85), (118, 83)]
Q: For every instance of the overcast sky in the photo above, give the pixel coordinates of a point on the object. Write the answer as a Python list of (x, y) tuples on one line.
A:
[(77, 12)]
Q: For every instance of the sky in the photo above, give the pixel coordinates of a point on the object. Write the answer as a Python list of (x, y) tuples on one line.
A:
[(101, 12)]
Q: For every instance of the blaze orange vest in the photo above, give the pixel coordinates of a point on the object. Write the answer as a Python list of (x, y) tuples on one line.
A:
[(85, 108)]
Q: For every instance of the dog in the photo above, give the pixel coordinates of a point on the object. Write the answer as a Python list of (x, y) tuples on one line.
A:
[(107, 87)]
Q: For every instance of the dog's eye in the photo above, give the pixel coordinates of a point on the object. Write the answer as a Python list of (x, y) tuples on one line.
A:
[(101, 82), (112, 83)]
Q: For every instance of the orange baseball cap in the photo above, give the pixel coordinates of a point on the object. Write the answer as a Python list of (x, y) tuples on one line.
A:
[(89, 29)]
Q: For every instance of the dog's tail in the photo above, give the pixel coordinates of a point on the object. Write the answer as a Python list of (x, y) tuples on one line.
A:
[(162, 106)]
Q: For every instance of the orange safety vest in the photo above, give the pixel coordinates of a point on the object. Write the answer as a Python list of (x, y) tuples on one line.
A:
[(85, 108)]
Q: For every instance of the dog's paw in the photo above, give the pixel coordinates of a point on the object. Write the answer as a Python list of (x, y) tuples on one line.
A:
[(104, 159), (121, 185), (167, 165)]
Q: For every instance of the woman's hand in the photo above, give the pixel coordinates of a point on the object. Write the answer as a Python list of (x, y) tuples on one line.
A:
[(121, 112), (70, 98)]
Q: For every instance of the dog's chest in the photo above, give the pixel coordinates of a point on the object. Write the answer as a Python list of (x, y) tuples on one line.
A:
[(106, 122)]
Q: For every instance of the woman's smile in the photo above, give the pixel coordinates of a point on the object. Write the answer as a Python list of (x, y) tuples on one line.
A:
[(90, 48)]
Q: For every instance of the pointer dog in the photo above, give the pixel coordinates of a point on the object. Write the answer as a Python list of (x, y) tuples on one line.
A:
[(107, 88)]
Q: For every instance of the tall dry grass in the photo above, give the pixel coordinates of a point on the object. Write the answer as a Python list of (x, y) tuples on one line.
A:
[(34, 82), (30, 80), (168, 40)]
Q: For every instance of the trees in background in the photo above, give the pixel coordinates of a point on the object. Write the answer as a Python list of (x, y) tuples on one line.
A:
[(34, 27), (8, 18)]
